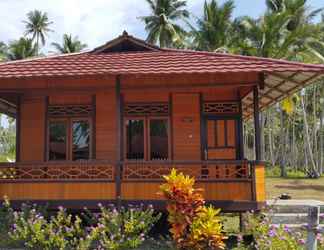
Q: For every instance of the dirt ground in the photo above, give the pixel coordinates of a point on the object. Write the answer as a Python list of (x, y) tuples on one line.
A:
[(297, 188)]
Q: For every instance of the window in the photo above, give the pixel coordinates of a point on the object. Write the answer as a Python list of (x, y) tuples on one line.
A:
[(159, 144), (69, 139), (57, 140), (80, 140), (135, 139), (147, 138)]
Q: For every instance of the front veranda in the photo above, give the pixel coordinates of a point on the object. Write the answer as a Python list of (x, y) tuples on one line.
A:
[(202, 138)]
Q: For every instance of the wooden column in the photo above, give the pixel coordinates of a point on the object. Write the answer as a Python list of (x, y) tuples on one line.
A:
[(257, 130), (119, 143), (18, 116)]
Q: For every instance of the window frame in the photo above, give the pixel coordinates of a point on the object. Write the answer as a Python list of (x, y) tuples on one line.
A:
[(147, 140), (69, 137)]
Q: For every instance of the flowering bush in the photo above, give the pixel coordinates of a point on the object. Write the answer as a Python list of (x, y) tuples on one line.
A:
[(60, 232), (268, 235), (6, 220), (125, 229), (193, 225), (111, 229)]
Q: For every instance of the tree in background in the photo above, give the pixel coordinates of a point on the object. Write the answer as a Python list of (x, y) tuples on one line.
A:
[(214, 27), (7, 139), (21, 49), (162, 24), (69, 45), (37, 25), (3, 51)]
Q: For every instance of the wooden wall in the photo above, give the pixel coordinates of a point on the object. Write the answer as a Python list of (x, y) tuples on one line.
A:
[(32, 129), (58, 191), (260, 195), (239, 191), (186, 126), (106, 126)]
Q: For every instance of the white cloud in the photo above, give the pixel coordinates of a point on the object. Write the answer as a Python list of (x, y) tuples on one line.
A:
[(94, 21)]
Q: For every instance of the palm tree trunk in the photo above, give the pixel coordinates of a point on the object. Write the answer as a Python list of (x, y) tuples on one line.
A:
[(314, 172), (282, 141)]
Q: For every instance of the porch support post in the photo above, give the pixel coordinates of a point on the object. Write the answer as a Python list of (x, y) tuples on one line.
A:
[(18, 127), (257, 123), (119, 144)]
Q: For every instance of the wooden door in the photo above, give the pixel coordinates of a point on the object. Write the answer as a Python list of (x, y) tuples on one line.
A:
[(221, 139)]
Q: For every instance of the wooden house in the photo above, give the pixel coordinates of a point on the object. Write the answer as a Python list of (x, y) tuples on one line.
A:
[(106, 125)]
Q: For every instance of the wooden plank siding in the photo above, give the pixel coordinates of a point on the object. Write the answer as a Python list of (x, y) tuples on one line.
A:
[(58, 191), (32, 129), (186, 126), (260, 194), (106, 127)]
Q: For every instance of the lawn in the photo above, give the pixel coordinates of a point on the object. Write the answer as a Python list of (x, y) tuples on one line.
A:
[(298, 188)]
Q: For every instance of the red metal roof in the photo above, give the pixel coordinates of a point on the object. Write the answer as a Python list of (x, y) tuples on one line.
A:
[(147, 63), (127, 55)]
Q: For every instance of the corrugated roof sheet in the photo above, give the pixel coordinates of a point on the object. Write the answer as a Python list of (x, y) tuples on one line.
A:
[(282, 78)]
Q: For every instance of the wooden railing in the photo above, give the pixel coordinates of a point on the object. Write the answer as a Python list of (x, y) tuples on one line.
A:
[(53, 171), (129, 171), (201, 170)]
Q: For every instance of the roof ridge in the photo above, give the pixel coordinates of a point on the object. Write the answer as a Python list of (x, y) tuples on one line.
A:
[(38, 58), (282, 61), (125, 36)]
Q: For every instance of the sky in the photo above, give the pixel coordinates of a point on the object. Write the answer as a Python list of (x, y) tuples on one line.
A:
[(97, 21)]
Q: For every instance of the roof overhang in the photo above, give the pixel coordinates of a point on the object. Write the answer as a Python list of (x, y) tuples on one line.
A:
[(8, 108), (278, 86)]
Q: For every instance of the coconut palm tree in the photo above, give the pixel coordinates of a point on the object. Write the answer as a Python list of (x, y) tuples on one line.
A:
[(212, 32), (37, 25), (69, 45), (162, 24), (21, 49)]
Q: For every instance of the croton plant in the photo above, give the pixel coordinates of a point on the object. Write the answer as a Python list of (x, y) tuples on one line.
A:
[(193, 224)]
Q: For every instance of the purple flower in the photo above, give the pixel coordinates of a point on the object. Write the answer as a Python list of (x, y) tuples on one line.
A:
[(301, 241), (287, 229), (60, 208), (272, 233)]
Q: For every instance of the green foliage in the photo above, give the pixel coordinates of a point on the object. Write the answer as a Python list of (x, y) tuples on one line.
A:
[(6, 220), (162, 24), (291, 173), (212, 32), (37, 25), (193, 225), (69, 45), (7, 141), (268, 235), (110, 229), (126, 229), (21, 49)]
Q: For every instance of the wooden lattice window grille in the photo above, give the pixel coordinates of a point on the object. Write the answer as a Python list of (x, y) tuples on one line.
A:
[(69, 110), (131, 109), (221, 108)]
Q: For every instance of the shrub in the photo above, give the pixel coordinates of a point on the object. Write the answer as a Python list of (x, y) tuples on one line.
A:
[(6, 221), (269, 236), (60, 232), (193, 225), (111, 229), (124, 229)]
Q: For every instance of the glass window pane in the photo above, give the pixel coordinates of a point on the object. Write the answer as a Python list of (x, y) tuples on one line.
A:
[(80, 140), (57, 140), (135, 139), (159, 145)]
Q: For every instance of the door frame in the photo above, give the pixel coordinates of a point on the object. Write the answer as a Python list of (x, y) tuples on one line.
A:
[(238, 134)]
